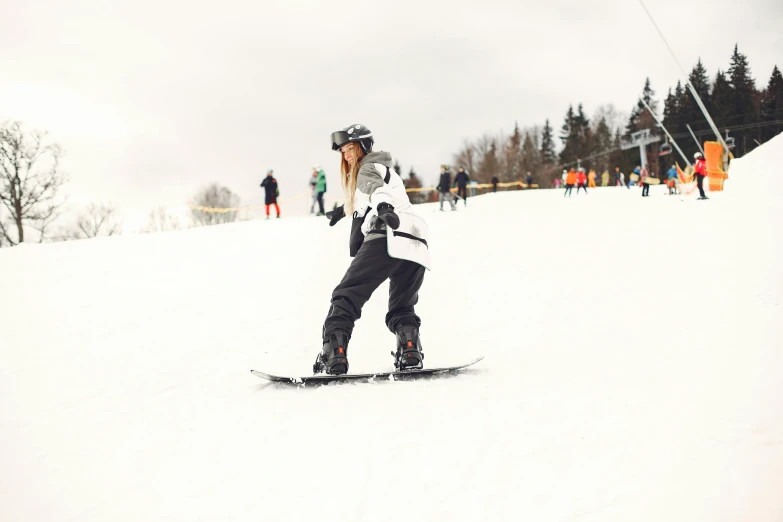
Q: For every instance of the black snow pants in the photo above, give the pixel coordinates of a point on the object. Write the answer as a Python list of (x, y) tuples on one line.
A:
[(369, 269), (700, 183), (462, 191)]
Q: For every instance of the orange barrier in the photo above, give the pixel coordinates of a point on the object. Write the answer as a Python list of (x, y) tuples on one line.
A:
[(713, 152)]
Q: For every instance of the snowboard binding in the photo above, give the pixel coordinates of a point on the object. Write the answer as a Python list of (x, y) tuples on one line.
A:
[(333, 358), (409, 355)]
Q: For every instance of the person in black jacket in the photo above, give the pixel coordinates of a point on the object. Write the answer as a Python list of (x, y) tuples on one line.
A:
[(495, 182), (461, 180), (271, 192), (444, 188)]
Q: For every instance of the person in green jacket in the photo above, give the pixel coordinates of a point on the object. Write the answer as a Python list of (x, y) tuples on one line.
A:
[(320, 189)]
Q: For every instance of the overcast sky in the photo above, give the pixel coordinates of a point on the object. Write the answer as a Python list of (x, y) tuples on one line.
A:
[(152, 99)]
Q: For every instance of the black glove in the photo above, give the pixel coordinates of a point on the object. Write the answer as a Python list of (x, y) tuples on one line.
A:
[(335, 215), (387, 215)]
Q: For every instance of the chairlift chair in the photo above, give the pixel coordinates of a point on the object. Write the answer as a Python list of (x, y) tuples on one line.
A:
[(665, 149), (729, 140)]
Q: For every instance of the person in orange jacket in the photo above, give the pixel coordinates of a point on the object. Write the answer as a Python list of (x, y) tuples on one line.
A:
[(570, 182), (581, 181), (700, 169), (591, 179)]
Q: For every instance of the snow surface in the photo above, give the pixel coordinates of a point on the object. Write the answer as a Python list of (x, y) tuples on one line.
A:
[(633, 368)]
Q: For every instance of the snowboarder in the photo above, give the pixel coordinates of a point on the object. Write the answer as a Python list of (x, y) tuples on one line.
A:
[(495, 182), (387, 241), (461, 180), (444, 188), (700, 169), (644, 174), (271, 192)]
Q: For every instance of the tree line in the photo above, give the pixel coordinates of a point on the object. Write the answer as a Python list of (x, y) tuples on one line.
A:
[(751, 115), (32, 207)]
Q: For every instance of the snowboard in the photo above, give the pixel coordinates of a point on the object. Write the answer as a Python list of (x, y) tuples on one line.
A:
[(393, 375)]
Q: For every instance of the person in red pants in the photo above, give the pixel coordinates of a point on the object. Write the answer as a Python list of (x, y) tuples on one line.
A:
[(271, 192)]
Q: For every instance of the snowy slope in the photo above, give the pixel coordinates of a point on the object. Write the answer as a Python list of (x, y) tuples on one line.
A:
[(633, 369)]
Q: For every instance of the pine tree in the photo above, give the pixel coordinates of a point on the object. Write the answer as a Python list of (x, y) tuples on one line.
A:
[(745, 106), (642, 119), (548, 154), (397, 168), (640, 116), (489, 164), (602, 142), (567, 136), (772, 106), (671, 113), (530, 159), (513, 155), (689, 109), (722, 100)]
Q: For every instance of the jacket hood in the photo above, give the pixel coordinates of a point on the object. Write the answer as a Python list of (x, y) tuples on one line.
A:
[(384, 158)]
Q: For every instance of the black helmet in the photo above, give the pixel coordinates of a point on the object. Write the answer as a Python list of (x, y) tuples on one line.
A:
[(356, 132)]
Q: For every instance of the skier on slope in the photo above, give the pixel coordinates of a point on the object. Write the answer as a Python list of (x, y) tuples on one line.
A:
[(570, 181), (271, 192), (461, 180), (581, 181), (444, 188), (387, 241), (700, 169)]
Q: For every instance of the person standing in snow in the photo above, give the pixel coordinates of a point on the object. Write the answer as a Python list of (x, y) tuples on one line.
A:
[(271, 192), (672, 180), (320, 189), (700, 170), (591, 179), (387, 241), (529, 180), (570, 181), (495, 182), (444, 188), (581, 181), (605, 179), (643, 175), (461, 180)]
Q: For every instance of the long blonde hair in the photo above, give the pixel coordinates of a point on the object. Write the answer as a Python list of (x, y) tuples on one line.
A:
[(348, 175)]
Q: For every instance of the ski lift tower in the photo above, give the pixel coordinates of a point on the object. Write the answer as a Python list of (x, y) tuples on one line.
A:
[(640, 139)]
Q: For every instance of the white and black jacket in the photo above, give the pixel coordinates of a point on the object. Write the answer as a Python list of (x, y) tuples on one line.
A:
[(378, 183)]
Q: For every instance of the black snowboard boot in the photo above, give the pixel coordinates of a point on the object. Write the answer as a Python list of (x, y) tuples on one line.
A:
[(409, 354), (333, 359)]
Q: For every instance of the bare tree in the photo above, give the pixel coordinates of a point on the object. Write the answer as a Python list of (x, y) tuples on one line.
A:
[(466, 156), (215, 196), (29, 183), (161, 220), (97, 220)]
